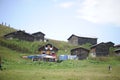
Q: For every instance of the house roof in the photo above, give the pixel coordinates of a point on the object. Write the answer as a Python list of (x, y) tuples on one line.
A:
[(18, 32), (93, 46), (80, 37), (43, 47), (102, 43), (80, 48), (38, 33), (118, 45)]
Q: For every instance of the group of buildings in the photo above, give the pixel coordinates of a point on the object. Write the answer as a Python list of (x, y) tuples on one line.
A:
[(96, 50)]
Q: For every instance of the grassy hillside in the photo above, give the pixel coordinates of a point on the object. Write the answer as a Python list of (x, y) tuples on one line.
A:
[(30, 47), (5, 29), (9, 56), (21, 46)]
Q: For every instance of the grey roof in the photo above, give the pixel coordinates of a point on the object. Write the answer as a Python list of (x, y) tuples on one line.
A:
[(79, 48), (38, 33), (80, 37), (17, 32)]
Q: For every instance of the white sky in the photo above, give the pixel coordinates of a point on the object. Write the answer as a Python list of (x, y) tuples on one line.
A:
[(59, 19)]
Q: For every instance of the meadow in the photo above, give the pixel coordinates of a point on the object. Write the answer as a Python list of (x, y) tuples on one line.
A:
[(66, 70), (16, 68)]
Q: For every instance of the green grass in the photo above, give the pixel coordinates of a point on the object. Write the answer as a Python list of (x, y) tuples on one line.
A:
[(24, 69), (22, 46), (59, 71)]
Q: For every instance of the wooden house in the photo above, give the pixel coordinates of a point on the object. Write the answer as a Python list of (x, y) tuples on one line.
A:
[(101, 49), (38, 36), (117, 46), (81, 53), (77, 40), (22, 35), (48, 49), (110, 44), (117, 51)]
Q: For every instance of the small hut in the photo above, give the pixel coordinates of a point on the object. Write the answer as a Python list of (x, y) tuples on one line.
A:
[(38, 36), (49, 51), (117, 46), (117, 51), (79, 40), (21, 35), (101, 49), (81, 53)]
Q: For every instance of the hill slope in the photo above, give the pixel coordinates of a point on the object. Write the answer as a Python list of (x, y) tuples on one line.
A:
[(31, 47), (5, 29)]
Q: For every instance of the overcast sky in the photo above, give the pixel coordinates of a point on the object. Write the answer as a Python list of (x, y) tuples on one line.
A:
[(59, 19)]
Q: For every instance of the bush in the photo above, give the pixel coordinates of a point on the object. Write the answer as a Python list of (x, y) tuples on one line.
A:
[(20, 46)]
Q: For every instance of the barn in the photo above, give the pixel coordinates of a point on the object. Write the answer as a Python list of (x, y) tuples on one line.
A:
[(48, 49), (101, 49), (22, 35), (117, 51), (38, 36), (49, 52), (117, 46), (82, 53), (77, 40)]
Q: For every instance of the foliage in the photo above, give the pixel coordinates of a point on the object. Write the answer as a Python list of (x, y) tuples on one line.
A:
[(112, 51), (21, 46), (87, 46)]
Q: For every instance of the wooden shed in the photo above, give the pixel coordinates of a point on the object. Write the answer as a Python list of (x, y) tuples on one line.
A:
[(22, 35), (38, 36), (101, 49), (48, 49), (81, 53), (117, 51), (77, 40), (117, 46)]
